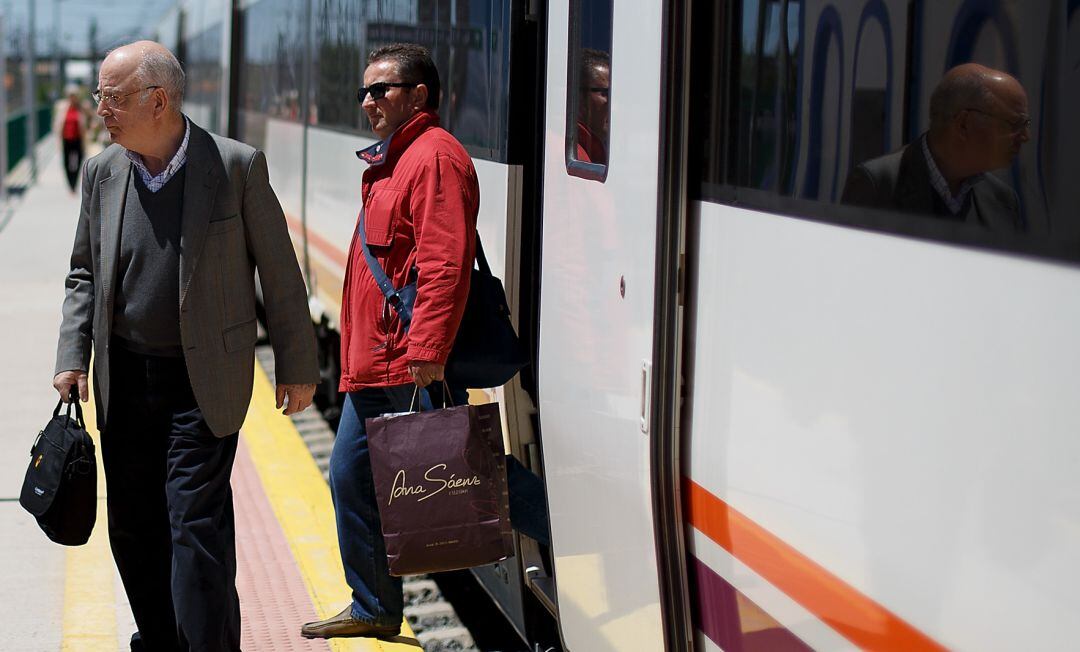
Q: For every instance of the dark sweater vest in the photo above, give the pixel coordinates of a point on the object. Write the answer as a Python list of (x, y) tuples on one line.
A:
[(146, 311)]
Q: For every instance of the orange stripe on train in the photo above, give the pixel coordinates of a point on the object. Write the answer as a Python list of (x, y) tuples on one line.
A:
[(322, 244), (853, 615)]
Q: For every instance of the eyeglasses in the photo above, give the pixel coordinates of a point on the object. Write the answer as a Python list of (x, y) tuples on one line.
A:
[(378, 90), (602, 90), (1015, 126), (114, 101)]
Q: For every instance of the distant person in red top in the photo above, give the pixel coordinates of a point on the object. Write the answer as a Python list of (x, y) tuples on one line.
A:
[(421, 199), (72, 121), (594, 114)]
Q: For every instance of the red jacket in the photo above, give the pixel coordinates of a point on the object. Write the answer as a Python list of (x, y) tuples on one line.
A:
[(590, 148), (421, 198)]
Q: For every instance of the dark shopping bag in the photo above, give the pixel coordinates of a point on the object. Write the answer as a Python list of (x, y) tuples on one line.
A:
[(60, 486), (440, 479)]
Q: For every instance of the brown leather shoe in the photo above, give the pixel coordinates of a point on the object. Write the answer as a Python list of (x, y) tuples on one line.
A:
[(344, 625)]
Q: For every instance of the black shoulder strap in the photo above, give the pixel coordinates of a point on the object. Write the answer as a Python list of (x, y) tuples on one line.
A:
[(381, 279), (386, 286)]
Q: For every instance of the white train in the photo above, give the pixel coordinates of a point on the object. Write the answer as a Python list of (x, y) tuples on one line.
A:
[(765, 420)]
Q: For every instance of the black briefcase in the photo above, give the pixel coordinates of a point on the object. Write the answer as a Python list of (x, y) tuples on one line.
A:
[(487, 351), (60, 487)]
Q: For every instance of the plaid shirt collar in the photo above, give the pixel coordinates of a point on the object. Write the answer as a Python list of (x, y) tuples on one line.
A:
[(955, 203), (156, 183)]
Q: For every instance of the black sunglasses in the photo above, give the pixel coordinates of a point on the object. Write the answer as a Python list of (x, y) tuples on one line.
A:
[(378, 90)]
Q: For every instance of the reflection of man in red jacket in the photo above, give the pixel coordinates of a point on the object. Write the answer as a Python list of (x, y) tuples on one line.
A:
[(421, 198), (594, 114)]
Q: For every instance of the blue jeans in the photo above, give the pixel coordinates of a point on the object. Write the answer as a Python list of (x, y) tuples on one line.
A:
[(376, 595)]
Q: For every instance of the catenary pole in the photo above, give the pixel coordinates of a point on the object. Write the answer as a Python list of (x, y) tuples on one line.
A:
[(58, 59), (3, 108), (31, 91)]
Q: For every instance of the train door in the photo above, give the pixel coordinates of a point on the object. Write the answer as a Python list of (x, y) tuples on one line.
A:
[(602, 131)]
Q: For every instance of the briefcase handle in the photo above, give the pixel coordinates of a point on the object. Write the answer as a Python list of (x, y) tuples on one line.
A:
[(73, 400)]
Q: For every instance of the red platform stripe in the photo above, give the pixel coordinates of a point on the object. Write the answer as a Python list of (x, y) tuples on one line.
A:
[(273, 599)]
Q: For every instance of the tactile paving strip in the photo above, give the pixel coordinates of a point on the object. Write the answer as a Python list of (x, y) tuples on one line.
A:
[(273, 599)]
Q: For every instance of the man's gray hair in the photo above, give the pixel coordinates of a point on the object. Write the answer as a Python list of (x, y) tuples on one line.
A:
[(159, 67), (956, 93)]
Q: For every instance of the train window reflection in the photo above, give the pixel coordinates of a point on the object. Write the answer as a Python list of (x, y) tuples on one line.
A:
[(202, 95), (979, 121), (926, 119), (468, 39), (589, 89), (271, 67)]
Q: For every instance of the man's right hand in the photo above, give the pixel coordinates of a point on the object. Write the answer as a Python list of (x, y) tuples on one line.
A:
[(64, 380)]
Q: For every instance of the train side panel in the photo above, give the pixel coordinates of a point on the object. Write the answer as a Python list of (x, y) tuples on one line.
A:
[(875, 405), (879, 428)]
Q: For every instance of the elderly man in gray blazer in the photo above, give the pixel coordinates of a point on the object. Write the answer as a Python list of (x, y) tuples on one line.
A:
[(174, 224)]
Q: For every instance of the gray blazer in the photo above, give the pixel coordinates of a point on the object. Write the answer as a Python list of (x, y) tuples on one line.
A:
[(901, 181), (232, 224)]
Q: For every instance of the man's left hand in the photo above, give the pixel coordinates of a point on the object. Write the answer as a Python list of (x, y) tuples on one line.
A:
[(425, 373), (299, 397)]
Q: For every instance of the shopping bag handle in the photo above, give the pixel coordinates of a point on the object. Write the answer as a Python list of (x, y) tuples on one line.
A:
[(425, 398)]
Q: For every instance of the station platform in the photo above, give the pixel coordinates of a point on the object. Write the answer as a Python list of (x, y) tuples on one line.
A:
[(71, 599)]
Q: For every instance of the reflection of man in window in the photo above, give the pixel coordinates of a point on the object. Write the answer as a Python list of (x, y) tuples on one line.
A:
[(593, 110), (978, 121)]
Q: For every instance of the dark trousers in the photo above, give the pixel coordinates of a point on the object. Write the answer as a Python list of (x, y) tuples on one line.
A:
[(376, 595), (170, 508), (73, 158)]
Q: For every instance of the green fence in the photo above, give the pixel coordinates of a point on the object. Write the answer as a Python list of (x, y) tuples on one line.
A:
[(16, 133)]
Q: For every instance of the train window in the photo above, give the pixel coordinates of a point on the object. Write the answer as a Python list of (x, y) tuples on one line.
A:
[(338, 55), (927, 119), (469, 41), (588, 83), (203, 92), (271, 66)]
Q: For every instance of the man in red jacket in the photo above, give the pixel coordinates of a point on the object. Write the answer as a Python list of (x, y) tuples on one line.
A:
[(421, 197)]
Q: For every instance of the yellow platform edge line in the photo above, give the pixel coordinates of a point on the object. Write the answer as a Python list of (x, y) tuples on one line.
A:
[(300, 499), (89, 620)]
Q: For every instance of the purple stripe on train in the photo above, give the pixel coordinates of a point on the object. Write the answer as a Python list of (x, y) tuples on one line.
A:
[(716, 613)]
